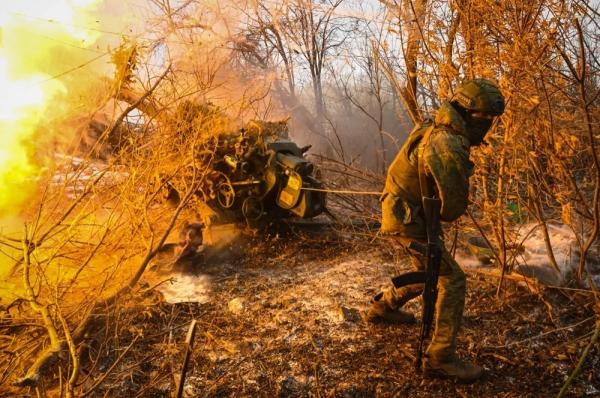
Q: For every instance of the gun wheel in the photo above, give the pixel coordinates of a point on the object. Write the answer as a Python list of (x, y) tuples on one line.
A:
[(225, 194), (252, 209)]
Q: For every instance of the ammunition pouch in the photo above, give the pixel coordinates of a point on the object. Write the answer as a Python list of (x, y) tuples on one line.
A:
[(399, 216)]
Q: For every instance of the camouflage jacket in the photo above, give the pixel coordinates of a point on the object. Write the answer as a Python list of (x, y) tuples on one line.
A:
[(448, 168)]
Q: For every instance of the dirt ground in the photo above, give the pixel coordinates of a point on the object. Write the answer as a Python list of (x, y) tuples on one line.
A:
[(283, 320)]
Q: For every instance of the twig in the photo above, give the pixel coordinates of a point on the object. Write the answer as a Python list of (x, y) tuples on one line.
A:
[(584, 355), (72, 351), (543, 334), (215, 384), (484, 236), (189, 346), (117, 361), (31, 246)]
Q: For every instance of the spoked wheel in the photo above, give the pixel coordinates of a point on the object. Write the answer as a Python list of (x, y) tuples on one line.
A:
[(225, 194), (252, 209)]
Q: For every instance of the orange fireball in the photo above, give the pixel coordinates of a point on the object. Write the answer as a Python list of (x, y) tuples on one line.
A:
[(28, 30)]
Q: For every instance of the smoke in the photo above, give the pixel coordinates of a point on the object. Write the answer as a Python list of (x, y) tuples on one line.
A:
[(216, 58), (357, 130), (202, 42)]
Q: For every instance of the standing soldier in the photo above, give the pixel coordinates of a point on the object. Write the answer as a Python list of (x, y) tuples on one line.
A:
[(440, 149)]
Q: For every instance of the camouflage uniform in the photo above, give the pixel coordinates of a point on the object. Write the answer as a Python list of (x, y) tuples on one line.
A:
[(444, 145)]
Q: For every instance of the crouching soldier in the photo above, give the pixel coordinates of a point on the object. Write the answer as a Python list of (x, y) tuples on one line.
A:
[(439, 149)]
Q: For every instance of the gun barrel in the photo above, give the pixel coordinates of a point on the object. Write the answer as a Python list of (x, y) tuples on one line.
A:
[(296, 163)]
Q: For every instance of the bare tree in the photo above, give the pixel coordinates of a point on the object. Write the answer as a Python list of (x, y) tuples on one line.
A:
[(298, 36)]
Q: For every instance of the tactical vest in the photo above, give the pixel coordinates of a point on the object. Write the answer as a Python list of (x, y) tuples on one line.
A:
[(401, 200)]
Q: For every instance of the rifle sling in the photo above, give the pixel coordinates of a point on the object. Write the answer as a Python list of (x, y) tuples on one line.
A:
[(423, 183)]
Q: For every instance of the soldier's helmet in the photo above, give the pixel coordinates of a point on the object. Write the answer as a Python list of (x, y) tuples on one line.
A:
[(480, 97), (481, 101)]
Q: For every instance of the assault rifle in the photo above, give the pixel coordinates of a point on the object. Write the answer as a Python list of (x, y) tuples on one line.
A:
[(431, 207), (429, 277)]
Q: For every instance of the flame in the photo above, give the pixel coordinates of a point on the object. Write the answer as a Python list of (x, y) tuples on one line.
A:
[(29, 32)]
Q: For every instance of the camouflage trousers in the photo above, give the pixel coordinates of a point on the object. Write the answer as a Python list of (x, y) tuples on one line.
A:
[(450, 301)]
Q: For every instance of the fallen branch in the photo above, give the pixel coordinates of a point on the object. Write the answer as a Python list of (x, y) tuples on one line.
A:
[(539, 336), (189, 345), (532, 284), (584, 355)]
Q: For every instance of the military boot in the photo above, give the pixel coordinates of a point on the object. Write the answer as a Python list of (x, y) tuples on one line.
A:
[(380, 311), (455, 368)]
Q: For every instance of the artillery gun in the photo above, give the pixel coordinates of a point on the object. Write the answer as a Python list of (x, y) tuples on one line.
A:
[(255, 173)]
